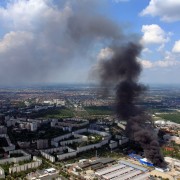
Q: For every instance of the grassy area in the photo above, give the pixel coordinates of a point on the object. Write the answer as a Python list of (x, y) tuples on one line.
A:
[(99, 110), (103, 152), (82, 114), (175, 153), (174, 117), (61, 113)]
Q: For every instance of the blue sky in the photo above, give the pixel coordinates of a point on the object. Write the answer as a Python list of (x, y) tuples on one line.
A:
[(32, 39)]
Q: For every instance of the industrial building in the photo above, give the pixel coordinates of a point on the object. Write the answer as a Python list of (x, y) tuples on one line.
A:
[(97, 164), (143, 161), (123, 171)]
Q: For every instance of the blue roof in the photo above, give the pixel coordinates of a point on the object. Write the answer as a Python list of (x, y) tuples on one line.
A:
[(135, 156), (145, 162)]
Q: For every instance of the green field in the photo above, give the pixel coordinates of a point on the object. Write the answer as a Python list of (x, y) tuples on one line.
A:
[(174, 117), (82, 114), (174, 153), (61, 113), (99, 110)]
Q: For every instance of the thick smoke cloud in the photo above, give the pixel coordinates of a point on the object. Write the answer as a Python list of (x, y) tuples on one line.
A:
[(121, 70), (42, 38)]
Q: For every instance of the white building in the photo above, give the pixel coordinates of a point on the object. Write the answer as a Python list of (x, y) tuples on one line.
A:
[(59, 102), (18, 168), (122, 139), (10, 122), (25, 156), (33, 126), (54, 122), (113, 144), (2, 175), (10, 146), (60, 140), (160, 122)]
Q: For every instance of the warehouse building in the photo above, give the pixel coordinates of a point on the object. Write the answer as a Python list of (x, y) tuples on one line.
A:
[(123, 171)]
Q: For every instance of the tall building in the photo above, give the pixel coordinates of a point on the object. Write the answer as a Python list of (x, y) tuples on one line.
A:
[(33, 126)]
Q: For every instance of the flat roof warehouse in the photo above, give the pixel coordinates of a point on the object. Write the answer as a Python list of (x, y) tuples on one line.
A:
[(123, 171)]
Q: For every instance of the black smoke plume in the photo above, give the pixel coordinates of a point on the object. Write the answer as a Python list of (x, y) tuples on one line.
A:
[(122, 70)]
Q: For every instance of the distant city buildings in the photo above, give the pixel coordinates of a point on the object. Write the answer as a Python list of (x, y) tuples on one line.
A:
[(24, 123), (57, 102)]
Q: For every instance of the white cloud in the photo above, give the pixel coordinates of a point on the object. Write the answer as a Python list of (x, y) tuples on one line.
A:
[(42, 39), (13, 40), (170, 60), (145, 63), (33, 45), (167, 10), (161, 48), (105, 54), (146, 50), (22, 14), (154, 34), (176, 47), (166, 63)]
